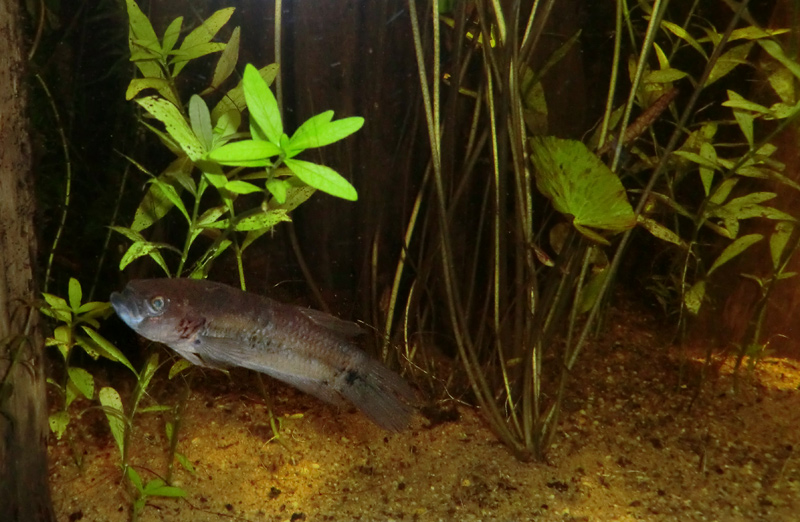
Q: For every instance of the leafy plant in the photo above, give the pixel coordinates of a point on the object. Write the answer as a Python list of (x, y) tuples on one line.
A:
[(206, 141), (78, 324)]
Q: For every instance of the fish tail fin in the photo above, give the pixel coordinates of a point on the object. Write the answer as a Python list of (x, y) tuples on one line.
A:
[(379, 393)]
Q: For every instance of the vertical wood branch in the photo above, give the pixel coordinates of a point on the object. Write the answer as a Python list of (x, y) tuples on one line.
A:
[(24, 492)]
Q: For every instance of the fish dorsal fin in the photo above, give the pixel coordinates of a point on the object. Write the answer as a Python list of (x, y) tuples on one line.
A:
[(345, 328)]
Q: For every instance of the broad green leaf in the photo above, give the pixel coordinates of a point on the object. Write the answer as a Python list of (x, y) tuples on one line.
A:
[(245, 153), (58, 423), (323, 178), (55, 301), (241, 187), (175, 124), (82, 380), (202, 35), (264, 220), (664, 76), (778, 241), (580, 185), (108, 350), (182, 56), (226, 128), (156, 202), (178, 367), (681, 33), (201, 120), (277, 187), (319, 131), (234, 98), (262, 105), (734, 249), (737, 101), (722, 192), (693, 298), (94, 308), (115, 413), (171, 194), (783, 83), (137, 250), (227, 61), (171, 34), (135, 479), (776, 51), (75, 294), (729, 61), (158, 488), (137, 85), (142, 36)]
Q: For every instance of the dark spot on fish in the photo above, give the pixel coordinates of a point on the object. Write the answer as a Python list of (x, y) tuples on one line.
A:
[(352, 376)]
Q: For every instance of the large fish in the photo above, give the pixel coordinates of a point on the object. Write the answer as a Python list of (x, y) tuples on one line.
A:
[(218, 326)]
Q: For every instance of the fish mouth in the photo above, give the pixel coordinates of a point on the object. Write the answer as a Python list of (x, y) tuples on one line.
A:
[(126, 306)]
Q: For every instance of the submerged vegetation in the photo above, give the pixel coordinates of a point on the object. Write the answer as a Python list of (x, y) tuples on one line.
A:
[(516, 226)]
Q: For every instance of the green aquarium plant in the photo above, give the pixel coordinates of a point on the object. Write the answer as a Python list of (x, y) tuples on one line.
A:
[(216, 161)]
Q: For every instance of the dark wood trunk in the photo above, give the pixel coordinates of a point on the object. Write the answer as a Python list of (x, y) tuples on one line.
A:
[(24, 492)]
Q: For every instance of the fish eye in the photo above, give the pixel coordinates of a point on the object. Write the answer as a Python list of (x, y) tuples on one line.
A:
[(157, 304)]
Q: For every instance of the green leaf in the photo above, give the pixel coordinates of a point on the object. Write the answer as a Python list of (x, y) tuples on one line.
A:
[(169, 192), (108, 350), (183, 461), (681, 33), (776, 51), (142, 37), (115, 413), (664, 76), (200, 37), (696, 158), (157, 488), (778, 241), (175, 124), (660, 231), (580, 185), (729, 61), (178, 367), (319, 131), (171, 34), (722, 192), (708, 153), (693, 299), (227, 61), (58, 423), (277, 187), (161, 85), (245, 153), (201, 120), (739, 102), (323, 178), (745, 121), (734, 249), (135, 479), (82, 380), (262, 105), (234, 100), (75, 294), (264, 220), (241, 187)]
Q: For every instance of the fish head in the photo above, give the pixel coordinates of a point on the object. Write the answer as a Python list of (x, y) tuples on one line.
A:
[(156, 309)]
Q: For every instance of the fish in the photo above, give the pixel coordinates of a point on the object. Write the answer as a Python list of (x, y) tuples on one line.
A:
[(214, 325)]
